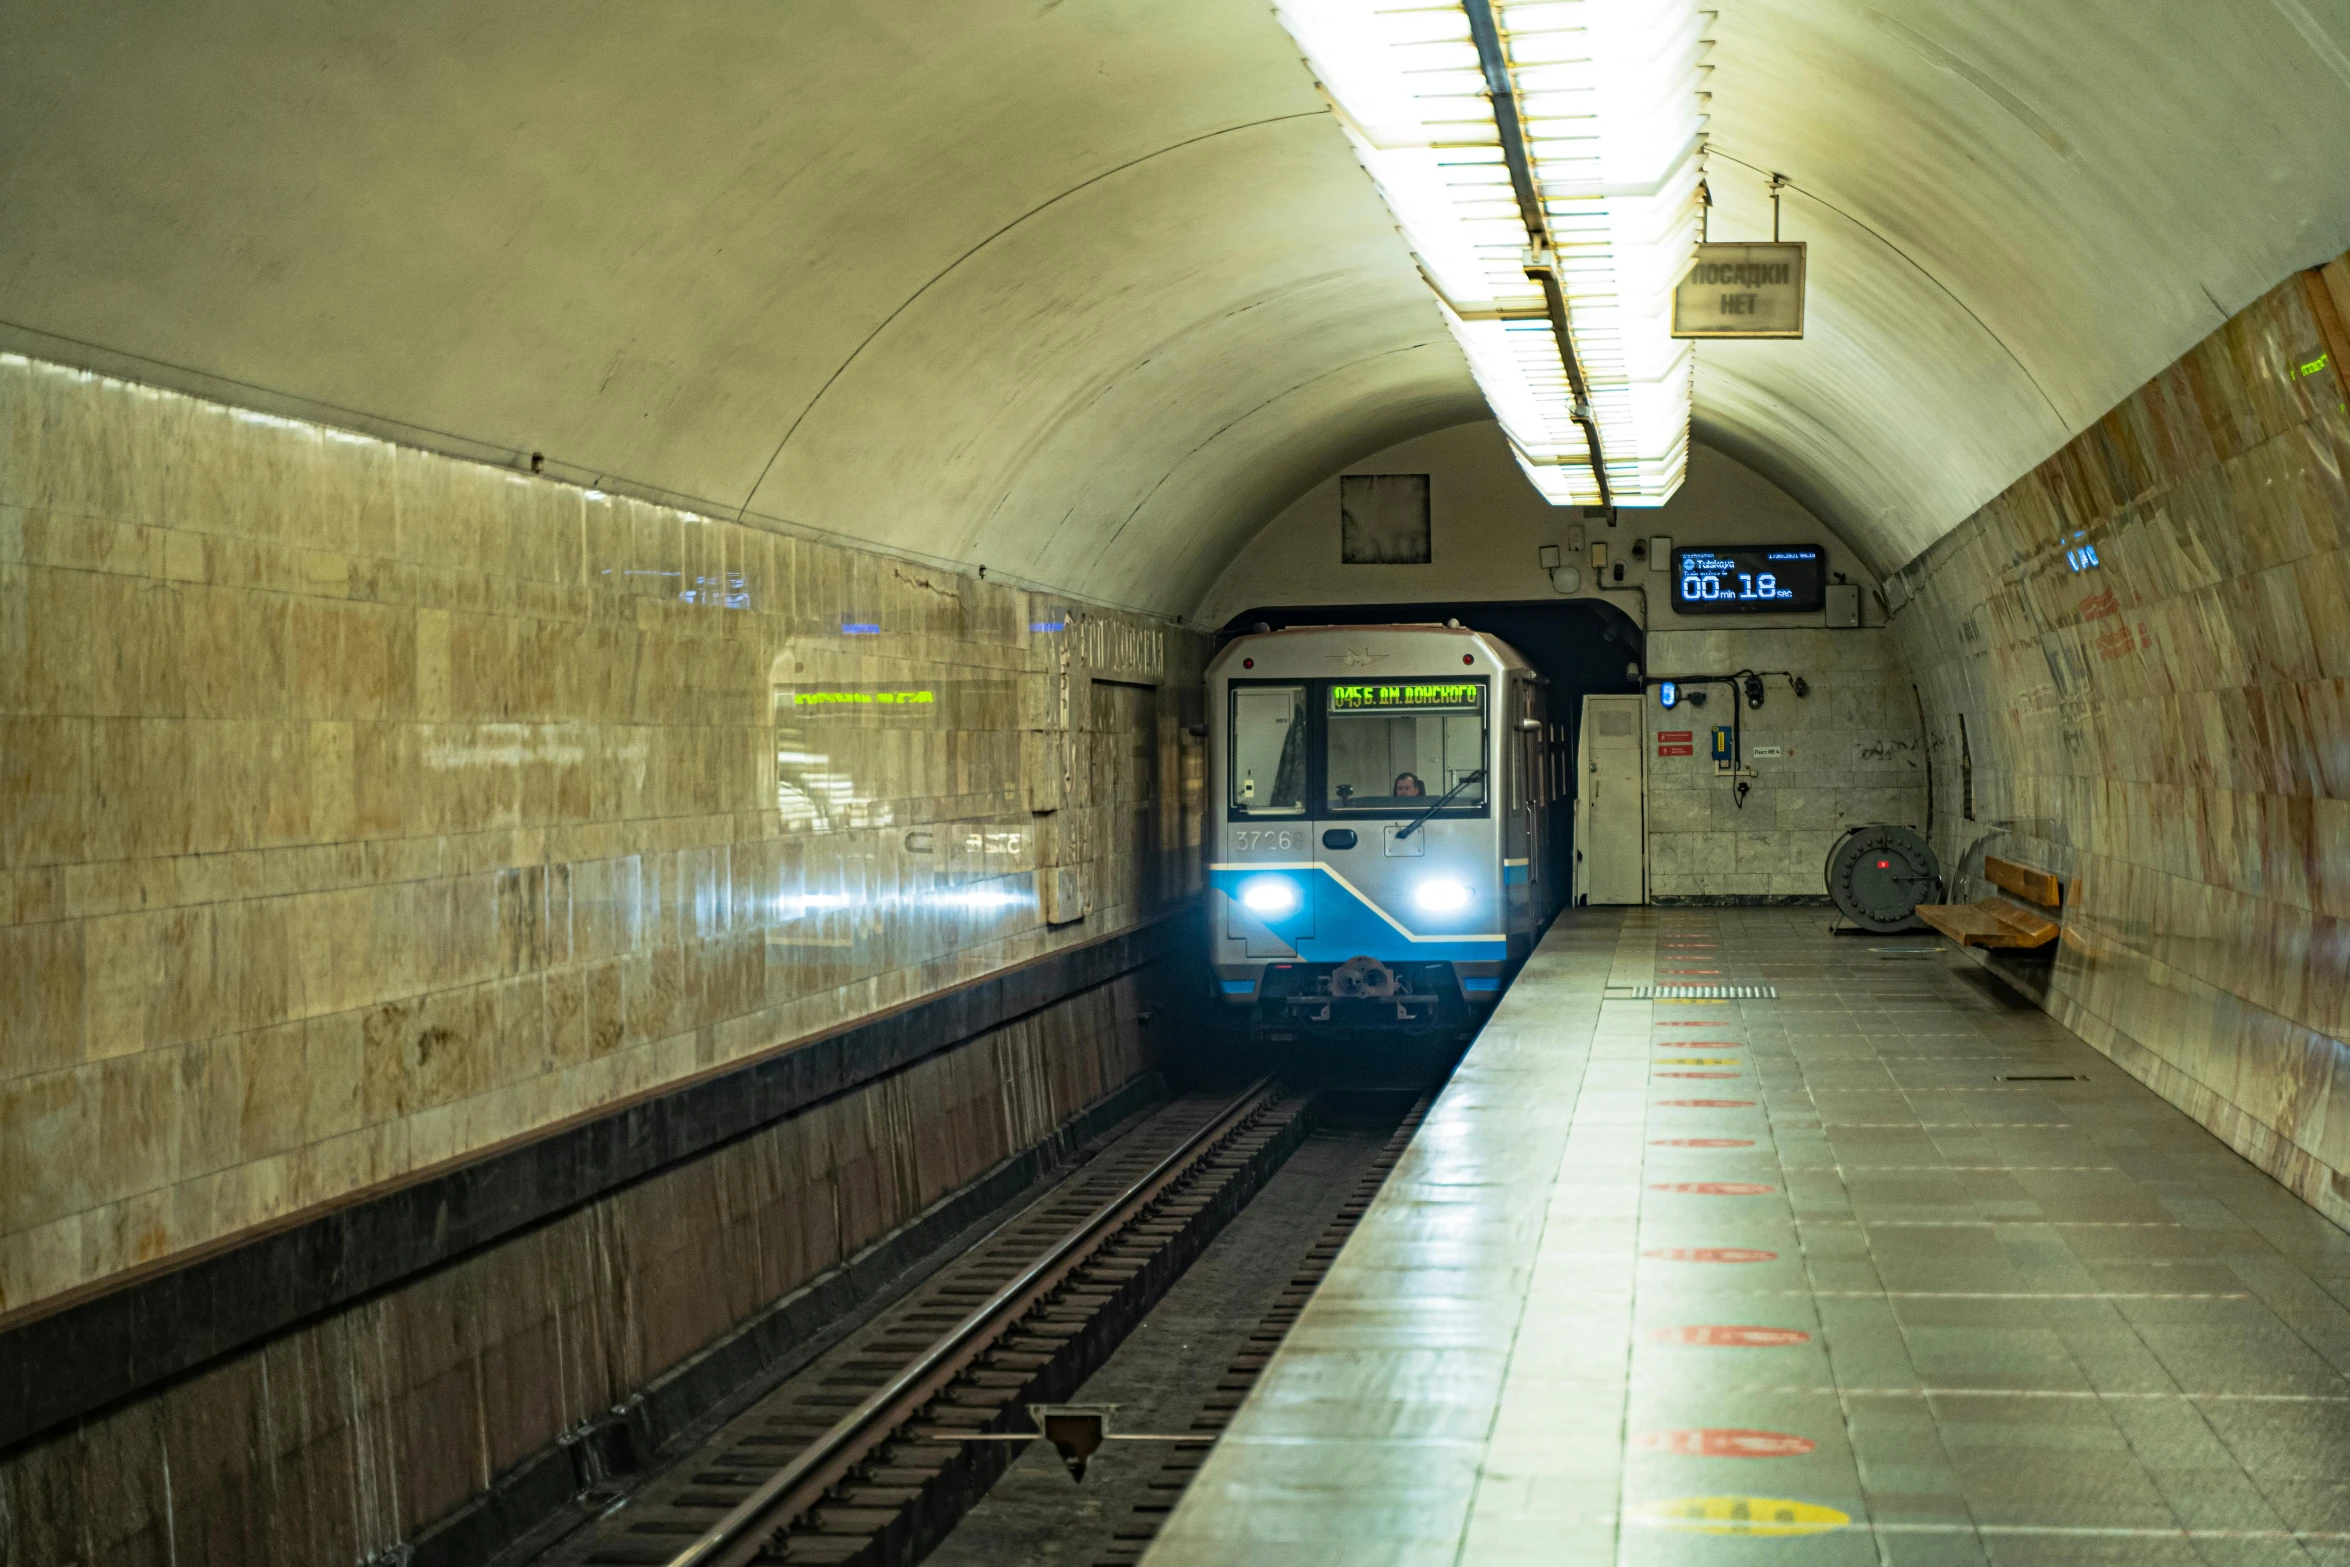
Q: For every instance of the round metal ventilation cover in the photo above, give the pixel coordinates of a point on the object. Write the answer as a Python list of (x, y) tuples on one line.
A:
[(1878, 875)]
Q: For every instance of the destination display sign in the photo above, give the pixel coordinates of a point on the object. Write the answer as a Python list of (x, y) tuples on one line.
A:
[(1455, 696), (1750, 579), (1742, 291)]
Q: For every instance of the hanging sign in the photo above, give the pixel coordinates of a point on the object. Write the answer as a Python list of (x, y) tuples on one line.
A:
[(1742, 291)]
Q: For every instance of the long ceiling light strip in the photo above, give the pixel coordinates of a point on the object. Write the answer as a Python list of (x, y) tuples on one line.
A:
[(1547, 186), (1540, 261)]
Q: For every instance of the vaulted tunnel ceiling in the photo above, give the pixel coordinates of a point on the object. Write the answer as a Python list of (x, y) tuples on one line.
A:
[(1086, 290)]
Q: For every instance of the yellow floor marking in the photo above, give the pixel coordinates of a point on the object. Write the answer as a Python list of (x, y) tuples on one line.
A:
[(1766, 1515)]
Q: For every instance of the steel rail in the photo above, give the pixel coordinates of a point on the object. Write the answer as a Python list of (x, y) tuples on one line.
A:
[(744, 1535)]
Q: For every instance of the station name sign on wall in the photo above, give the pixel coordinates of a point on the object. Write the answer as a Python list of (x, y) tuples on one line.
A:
[(1742, 291)]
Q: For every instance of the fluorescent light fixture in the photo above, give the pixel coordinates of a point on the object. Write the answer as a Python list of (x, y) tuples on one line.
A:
[(1607, 97), (1441, 895), (1271, 896)]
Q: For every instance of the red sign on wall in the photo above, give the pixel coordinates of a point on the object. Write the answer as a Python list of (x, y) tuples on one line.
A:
[(1675, 750), (1675, 742)]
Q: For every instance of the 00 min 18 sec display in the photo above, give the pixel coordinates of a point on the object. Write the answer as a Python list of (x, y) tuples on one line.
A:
[(1746, 579)]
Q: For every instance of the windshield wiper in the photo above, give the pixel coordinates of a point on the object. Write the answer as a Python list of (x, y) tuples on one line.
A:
[(1466, 779)]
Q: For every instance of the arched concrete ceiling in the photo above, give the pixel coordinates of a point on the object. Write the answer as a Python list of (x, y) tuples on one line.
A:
[(2017, 213), (1080, 291), (1086, 290)]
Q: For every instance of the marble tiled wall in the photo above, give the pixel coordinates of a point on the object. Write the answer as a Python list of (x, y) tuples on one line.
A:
[(361, 807), (384, 1416), (1853, 755), (2167, 724)]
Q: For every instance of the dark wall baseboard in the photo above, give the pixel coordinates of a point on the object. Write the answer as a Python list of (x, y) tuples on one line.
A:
[(69, 1358)]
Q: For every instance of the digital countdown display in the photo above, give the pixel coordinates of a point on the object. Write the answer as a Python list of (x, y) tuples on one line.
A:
[(1750, 579)]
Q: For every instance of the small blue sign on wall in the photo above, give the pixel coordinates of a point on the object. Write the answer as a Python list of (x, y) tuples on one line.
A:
[(1721, 745)]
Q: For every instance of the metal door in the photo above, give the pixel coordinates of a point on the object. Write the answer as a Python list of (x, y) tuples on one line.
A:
[(1611, 831)]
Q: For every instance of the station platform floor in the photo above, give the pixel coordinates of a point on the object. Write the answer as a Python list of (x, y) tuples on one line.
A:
[(1823, 1277)]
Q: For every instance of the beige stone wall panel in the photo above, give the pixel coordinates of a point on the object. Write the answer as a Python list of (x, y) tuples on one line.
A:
[(2168, 730), (1853, 756), (361, 807)]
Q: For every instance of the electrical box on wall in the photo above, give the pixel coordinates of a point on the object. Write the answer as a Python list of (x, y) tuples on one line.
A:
[(1723, 756), (1843, 606)]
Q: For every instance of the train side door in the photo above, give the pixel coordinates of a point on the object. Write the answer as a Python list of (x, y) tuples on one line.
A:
[(1611, 829)]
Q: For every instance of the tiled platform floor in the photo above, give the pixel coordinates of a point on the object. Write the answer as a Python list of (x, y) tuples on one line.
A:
[(1805, 1279)]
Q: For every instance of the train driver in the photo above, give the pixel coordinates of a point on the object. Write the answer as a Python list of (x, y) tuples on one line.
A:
[(1408, 786)]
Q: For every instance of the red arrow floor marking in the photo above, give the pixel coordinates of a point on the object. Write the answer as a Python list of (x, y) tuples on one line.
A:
[(1725, 1442), (1724, 1335)]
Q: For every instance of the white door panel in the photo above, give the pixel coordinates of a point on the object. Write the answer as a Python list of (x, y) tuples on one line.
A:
[(1611, 816)]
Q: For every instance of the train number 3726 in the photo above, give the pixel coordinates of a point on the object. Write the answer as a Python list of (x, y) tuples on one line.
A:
[(1247, 840)]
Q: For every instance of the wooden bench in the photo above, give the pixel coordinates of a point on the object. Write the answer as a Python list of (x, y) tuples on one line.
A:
[(2001, 922)]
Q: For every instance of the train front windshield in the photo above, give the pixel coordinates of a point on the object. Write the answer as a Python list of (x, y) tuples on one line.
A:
[(1403, 747)]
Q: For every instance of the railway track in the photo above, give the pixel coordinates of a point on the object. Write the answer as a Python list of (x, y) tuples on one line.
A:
[(871, 1454), (1182, 1465)]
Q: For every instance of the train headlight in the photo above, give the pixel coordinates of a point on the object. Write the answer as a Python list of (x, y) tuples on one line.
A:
[(1441, 895), (1271, 896)]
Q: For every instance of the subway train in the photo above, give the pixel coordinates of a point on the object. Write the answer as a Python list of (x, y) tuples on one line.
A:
[(1378, 823)]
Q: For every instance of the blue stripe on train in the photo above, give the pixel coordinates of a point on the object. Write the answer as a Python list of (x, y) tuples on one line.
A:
[(1513, 875), (1345, 926)]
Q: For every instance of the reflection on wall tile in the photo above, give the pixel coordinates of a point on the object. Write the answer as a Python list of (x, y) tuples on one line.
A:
[(360, 807), (2146, 636)]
